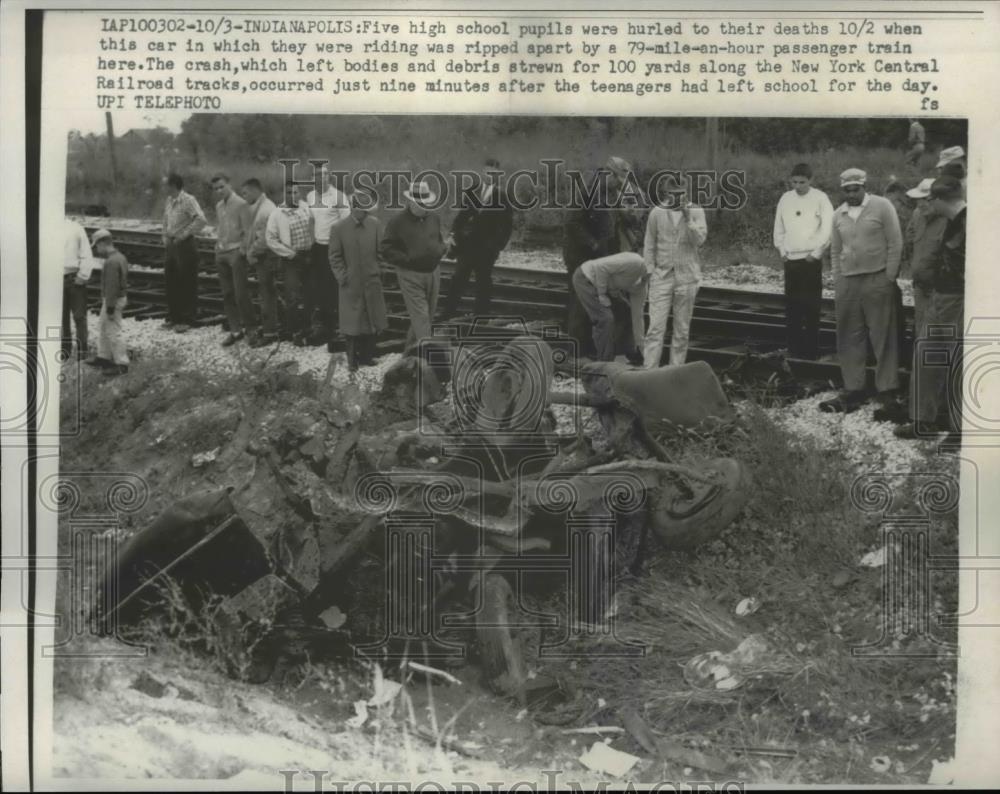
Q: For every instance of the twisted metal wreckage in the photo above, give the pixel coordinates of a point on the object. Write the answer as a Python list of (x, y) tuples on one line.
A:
[(481, 502)]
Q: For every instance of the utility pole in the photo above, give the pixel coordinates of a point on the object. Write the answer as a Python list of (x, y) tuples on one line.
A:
[(111, 149)]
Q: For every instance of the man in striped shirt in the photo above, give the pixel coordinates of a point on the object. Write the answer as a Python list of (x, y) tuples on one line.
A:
[(182, 220), (289, 235)]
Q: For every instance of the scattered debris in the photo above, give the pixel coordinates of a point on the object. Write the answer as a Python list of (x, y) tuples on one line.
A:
[(360, 714), (747, 606), (597, 730), (881, 764), (333, 617), (423, 668), (385, 689), (874, 559), (842, 578), (726, 671), (199, 459), (601, 758)]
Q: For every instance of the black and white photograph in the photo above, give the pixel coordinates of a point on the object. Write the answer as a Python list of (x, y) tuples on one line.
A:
[(435, 434), (573, 428)]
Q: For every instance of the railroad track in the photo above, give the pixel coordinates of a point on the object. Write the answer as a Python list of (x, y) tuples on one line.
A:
[(726, 321)]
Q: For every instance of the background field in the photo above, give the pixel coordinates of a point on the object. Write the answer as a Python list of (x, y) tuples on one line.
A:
[(250, 145)]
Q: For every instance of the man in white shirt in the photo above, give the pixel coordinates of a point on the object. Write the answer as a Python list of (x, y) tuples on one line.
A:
[(802, 225), (321, 287), (675, 231), (77, 265)]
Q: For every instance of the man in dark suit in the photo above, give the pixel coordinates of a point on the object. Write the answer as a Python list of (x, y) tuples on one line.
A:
[(594, 230), (480, 232)]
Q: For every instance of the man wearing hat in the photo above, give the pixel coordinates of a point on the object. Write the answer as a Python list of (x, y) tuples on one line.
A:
[(865, 248), (111, 352), (414, 245), (953, 156), (354, 262), (940, 352), (593, 230)]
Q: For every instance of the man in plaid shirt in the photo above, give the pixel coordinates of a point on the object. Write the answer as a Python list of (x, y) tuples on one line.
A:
[(289, 235), (182, 220)]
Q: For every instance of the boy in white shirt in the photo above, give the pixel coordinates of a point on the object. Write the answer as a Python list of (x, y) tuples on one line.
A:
[(802, 225)]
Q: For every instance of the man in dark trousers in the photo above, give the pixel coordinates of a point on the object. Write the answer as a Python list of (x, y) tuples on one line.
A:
[(480, 232), (182, 220), (594, 230), (937, 366)]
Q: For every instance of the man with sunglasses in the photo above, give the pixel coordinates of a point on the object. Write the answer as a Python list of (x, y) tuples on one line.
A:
[(865, 249)]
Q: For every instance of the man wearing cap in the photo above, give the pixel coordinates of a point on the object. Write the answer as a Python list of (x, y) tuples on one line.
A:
[(593, 230), (955, 157), (289, 236), (321, 288), (865, 249), (676, 229), (480, 232), (77, 264), (923, 238), (414, 245), (596, 281), (182, 220), (916, 140), (111, 352), (354, 262), (231, 232), (941, 350), (802, 224)]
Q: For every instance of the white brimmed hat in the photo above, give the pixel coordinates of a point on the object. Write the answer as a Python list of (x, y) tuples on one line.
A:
[(923, 190), (949, 154), (421, 193), (100, 234)]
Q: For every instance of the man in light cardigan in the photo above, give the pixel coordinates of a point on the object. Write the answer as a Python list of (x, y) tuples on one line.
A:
[(802, 224), (674, 232), (865, 249)]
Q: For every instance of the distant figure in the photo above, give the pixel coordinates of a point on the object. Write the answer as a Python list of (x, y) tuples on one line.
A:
[(354, 262), (182, 220), (595, 282), (321, 287), (233, 226), (802, 224), (77, 265), (676, 229), (942, 352), (594, 230), (262, 259), (112, 354), (289, 236), (480, 232), (916, 140), (414, 245), (865, 249)]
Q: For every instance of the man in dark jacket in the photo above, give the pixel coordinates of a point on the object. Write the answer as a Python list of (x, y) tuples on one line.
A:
[(353, 251), (592, 231), (480, 232), (937, 386), (413, 243)]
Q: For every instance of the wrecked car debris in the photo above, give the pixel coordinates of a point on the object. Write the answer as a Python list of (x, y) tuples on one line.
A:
[(492, 481)]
